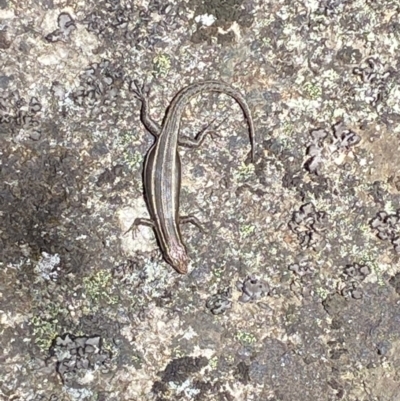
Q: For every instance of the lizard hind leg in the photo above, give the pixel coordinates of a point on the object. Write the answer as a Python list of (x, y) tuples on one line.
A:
[(200, 136)]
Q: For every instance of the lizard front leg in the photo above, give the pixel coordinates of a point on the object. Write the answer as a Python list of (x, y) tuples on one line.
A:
[(142, 93)]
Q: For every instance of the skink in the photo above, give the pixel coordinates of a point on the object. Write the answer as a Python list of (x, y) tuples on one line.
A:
[(162, 167)]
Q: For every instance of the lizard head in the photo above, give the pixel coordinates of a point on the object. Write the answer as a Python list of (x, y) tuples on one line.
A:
[(178, 259)]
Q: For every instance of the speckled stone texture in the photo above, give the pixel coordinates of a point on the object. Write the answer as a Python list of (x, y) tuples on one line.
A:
[(293, 289)]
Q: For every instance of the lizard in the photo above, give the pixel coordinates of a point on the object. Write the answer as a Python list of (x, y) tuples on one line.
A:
[(162, 166)]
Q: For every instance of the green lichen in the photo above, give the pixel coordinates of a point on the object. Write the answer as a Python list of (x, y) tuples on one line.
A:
[(45, 322), (132, 159), (246, 338), (246, 230), (289, 130), (127, 137), (130, 156), (161, 65), (217, 272), (321, 292), (244, 172), (178, 353), (313, 91), (98, 288), (44, 331), (213, 362)]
